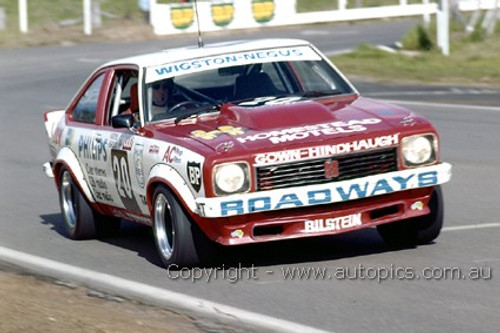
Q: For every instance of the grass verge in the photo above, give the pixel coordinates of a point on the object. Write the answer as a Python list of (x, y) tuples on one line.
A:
[(471, 62)]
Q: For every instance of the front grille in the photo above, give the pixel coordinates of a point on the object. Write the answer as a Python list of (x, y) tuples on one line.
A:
[(309, 172)]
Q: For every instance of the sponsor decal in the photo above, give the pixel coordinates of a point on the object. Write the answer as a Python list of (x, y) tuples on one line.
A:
[(154, 149), (231, 130), (238, 233), (263, 10), (161, 72), (417, 205), (122, 141), (409, 121), (97, 180), (139, 169), (57, 135), (224, 147), (127, 141), (272, 100), (181, 16), (68, 141), (121, 174), (222, 13), (333, 193), (113, 141), (92, 148), (333, 224), (172, 155), (323, 151), (194, 175), (318, 130), (95, 171)]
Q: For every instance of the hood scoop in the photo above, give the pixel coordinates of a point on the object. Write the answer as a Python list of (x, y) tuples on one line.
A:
[(283, 115)]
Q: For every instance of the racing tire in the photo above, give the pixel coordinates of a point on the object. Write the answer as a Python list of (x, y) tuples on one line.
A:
[(80, 220), (179, 241), (416, 231)]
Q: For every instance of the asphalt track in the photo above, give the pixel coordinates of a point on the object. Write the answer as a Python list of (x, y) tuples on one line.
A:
[(38, 79)]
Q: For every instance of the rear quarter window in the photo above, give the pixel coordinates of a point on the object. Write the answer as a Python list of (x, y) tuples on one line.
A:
[(85, 109)]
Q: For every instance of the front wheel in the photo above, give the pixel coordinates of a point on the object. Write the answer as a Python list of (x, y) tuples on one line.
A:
[(80, 220), (419, 230), (179, 241)]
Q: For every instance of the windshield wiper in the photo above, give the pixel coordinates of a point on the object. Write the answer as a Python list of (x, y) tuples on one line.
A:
[(205, 107), (321, 93)]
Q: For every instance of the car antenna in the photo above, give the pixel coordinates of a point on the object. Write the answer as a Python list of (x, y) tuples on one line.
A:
[(200, 39)]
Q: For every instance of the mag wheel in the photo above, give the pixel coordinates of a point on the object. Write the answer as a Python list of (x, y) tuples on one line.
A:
[(419, 230), (80, 220), (78, 217), (179, 241)]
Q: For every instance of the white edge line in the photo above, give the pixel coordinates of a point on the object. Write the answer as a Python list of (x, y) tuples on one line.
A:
[(472, 226), (151, 295), (445, 105)]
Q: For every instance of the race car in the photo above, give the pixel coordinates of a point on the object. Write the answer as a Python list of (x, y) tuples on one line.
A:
[(241, 142)]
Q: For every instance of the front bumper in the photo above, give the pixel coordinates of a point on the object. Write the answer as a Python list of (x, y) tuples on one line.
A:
[(322, 194)]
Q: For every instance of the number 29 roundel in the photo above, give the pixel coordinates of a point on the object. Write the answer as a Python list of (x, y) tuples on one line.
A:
[(123, 182)]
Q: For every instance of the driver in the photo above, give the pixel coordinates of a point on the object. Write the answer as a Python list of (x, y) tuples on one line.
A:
[(161, 96)]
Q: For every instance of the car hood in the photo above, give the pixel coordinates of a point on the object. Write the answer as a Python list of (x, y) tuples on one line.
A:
[(294, 123)]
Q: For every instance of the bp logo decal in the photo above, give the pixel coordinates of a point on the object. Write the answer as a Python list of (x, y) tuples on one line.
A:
[(222, 13), (182, 16), (194, 175), (263, 10)]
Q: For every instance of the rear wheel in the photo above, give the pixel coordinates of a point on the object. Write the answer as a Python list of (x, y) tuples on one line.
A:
[(179, 241), (419, 230), (80, 220)]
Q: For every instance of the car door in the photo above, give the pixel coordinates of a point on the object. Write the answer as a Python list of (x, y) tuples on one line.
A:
[(124, 147), (82, 134)]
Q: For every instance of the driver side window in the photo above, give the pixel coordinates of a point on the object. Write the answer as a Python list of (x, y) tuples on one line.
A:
[(123, 98)]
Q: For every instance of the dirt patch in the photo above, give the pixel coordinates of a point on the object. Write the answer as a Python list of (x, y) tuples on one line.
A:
[(31, 304)]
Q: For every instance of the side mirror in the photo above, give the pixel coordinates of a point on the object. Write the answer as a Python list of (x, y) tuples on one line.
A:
[(122, 121)]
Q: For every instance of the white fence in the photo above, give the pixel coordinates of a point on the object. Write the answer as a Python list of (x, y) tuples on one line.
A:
[(216, 15), (243, 14), (240, 14)]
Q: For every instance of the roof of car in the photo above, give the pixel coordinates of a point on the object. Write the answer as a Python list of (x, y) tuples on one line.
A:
[(193, 52)]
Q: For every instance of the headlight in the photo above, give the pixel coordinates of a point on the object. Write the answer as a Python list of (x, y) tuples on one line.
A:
[(419, 149), (231, 178)]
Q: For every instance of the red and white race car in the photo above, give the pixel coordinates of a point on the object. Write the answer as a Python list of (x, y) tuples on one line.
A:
[(238, 143)]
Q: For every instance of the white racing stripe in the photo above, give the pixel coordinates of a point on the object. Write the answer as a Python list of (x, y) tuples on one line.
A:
[(200, 308), (472, 226)]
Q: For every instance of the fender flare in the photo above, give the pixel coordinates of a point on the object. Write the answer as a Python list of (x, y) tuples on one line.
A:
[(163, 173), (66, 157)]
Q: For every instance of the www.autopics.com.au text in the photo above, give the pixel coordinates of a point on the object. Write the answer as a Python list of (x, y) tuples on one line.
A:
[(234, 274)]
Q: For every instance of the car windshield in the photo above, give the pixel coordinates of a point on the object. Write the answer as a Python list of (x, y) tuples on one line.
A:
[(250, 84)]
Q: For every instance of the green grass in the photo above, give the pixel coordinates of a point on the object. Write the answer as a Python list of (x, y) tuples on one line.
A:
[(470, 63), (474, 59), (319, 5), (48, 12), (46, 21)]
